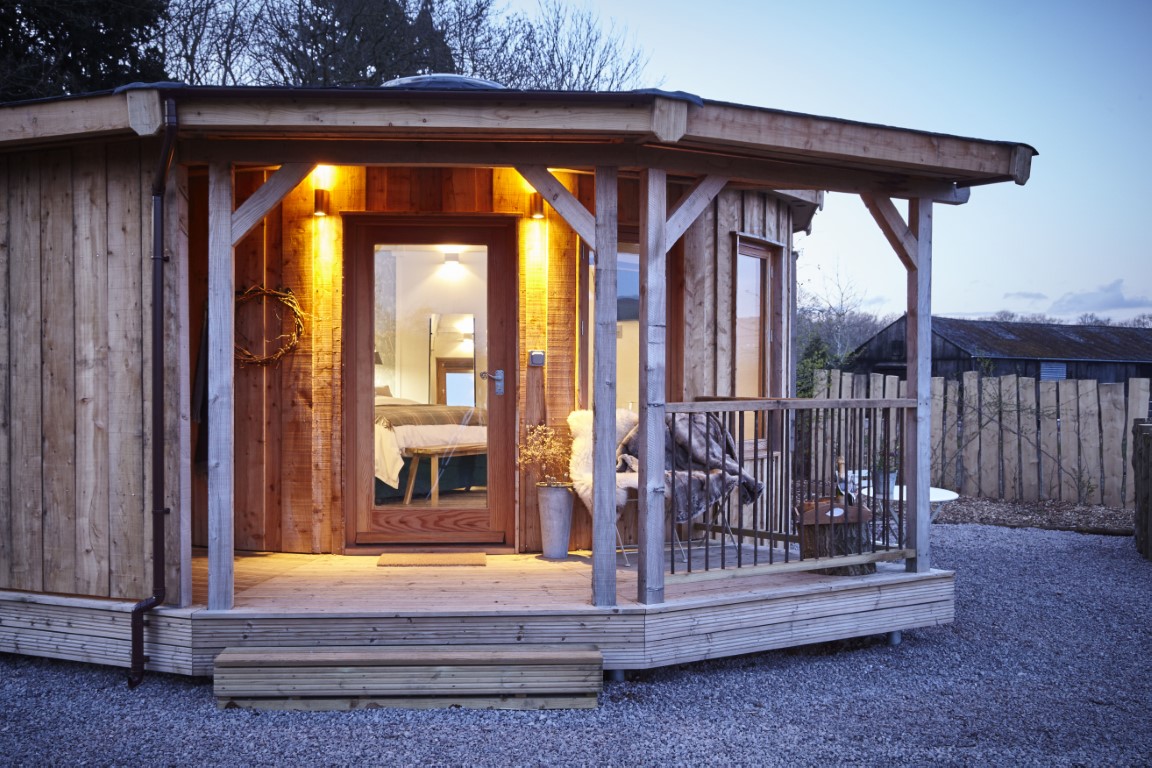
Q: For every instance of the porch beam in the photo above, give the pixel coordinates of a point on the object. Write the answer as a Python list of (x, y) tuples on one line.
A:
[(917, 423), (221, 397), (653, 333), (267, 197), (689, 207), (784, 174), (563, 201), (897, 232), (604, 394)]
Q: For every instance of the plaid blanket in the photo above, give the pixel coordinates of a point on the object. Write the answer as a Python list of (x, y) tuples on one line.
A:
[(390, 416)]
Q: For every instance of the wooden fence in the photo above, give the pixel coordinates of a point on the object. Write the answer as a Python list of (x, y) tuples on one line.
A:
[(1020, 439)]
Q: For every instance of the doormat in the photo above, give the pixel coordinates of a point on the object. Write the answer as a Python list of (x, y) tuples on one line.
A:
[(430, 559)]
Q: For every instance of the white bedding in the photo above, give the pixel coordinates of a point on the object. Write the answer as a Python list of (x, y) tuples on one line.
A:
[(390, 443)]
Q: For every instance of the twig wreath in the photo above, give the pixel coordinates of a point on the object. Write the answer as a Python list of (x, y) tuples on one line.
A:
[(290, 340)]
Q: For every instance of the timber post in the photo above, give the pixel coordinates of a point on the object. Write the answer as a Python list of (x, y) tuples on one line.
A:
[(1142, 479)]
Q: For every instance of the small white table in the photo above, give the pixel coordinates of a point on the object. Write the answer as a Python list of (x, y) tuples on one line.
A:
[(937, 497)]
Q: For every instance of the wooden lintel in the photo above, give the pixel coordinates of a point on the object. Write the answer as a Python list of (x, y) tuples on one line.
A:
[(758, 172), (893, 226), (562, 201), (267, 197), (689, 207)]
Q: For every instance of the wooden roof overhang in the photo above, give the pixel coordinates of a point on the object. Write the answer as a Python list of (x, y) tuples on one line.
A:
[(682, 134), (656, 134)]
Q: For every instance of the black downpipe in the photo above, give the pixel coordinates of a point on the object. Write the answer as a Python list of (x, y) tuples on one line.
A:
[(159, 511)]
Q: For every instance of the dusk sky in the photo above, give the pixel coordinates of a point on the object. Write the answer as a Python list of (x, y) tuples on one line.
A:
[(1072, 79)]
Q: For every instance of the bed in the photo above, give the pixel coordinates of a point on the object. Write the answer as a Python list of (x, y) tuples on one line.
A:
[(406, 431)]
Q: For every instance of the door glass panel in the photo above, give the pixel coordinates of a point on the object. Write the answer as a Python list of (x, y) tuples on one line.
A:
[(430, 435)]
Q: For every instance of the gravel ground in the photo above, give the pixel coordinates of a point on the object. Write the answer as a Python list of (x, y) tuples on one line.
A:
[(1047, 665)]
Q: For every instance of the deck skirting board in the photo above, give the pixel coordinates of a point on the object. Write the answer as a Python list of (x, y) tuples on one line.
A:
[(743, 617)]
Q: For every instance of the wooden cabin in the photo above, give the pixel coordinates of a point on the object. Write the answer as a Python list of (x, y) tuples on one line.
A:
[(212, 299), (1108, 354)]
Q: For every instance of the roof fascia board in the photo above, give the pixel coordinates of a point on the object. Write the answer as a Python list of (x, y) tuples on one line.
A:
[(315, 117), (61, 119), (832, 139)]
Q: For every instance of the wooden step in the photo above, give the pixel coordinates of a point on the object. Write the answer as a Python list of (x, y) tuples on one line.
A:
[(353, 677)]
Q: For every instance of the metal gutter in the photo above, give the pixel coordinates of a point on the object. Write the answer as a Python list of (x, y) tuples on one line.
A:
[(159, 511)]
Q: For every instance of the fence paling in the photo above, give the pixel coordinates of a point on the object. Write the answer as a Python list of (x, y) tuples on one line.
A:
[(1024, 440)]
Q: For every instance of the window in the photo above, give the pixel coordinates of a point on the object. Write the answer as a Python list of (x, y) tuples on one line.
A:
[(760, 349)]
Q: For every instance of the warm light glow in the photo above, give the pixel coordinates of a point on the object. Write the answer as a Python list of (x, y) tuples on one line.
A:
[(451, 258), (324, 250), (536, 256), (323, 176), (536, 206)]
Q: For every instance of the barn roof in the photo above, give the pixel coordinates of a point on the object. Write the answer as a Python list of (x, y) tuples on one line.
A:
[(1043, 341)]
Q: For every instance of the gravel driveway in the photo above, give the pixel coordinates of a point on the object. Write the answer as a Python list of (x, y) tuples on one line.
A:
[(1049, 663)]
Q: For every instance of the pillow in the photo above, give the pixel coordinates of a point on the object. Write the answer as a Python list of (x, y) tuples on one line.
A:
[(386, 400), (385, 391)]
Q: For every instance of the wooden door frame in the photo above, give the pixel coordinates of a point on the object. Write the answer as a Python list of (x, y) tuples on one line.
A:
[(362, 231)]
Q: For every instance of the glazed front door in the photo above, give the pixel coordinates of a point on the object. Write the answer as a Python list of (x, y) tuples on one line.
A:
[(430, 414)]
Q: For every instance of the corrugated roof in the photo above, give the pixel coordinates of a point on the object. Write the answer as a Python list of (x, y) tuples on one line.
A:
[(1041, 341)]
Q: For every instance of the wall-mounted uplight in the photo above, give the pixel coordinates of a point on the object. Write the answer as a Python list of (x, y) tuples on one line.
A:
[(536, 206), (323, 199), (451, 258)]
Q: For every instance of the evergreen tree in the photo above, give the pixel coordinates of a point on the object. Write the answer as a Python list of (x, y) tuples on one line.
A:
[(61, 47)]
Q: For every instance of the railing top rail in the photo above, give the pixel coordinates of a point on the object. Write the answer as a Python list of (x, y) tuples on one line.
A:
[(786, 404)]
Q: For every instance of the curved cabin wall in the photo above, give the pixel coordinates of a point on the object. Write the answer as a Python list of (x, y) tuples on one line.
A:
[(75, 370)]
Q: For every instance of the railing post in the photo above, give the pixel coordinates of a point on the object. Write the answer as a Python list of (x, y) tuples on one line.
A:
[(653, 326)]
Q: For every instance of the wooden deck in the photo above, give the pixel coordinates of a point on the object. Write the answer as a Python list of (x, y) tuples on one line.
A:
[(328, 600)]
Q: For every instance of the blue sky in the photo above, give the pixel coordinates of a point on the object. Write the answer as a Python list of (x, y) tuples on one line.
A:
[(1073, 79)]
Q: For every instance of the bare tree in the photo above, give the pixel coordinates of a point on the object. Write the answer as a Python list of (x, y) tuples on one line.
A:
[(1008, 316), (212, 42), (836, 317), (566, 48), (1091, 318), (367, 42)]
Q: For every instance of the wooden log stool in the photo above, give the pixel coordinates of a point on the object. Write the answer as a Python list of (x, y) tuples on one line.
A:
[(831, 528)]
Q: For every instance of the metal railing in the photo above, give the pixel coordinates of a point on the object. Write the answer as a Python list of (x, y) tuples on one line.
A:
[(811, 484)]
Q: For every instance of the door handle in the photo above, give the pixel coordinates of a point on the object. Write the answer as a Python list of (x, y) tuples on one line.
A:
[(497, 377)]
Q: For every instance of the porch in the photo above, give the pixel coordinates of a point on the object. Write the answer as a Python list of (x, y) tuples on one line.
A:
[(515, 599)]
